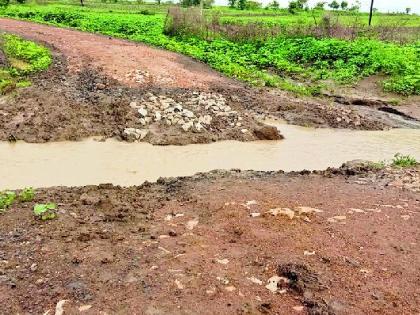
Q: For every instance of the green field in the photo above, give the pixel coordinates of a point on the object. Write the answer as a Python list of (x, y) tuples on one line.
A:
[(299, 63)]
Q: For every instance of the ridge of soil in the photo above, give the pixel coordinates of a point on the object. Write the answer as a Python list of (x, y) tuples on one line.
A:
[(94, 78), (209, 244)]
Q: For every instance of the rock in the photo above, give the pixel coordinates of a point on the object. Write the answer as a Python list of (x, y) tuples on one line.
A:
[(206, 119), (192, 224), (282, 211), (133, 105), (135, 134), (244, 130), (158, 116), (86, 199), (198, 127), (142, 111), (59, 308), (187, 126), (268, 133)]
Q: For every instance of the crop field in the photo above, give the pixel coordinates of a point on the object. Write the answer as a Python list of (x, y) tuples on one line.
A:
[(278, 61)]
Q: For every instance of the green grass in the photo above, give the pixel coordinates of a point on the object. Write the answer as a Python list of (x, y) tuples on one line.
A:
[(298, 64), (401, 160), (23, 58)]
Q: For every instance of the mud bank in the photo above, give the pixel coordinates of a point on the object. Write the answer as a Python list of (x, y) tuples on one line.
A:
[(342, 242)]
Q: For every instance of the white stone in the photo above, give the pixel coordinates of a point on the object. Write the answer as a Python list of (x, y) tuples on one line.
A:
[(142, 111), (158, 116)]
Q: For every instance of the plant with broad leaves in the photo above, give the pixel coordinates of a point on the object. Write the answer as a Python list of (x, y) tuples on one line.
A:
[(45, 211), (6, 200), (27, 194)]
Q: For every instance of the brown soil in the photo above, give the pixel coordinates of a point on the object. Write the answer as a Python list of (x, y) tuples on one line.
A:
[(207, 245), (94, 79)]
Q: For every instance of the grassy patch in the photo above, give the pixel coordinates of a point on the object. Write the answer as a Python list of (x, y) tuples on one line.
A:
[(23, 58), (400, 160)]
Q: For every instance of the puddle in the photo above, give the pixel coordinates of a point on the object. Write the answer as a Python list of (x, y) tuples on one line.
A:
[(93, 162)]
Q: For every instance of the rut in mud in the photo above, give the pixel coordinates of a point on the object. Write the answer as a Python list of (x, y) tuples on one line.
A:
[(220, 243), (107, 87)]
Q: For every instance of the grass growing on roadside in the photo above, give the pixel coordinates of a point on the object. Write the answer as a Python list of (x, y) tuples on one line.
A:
[(23, 58), (401, 160), (294, 63)]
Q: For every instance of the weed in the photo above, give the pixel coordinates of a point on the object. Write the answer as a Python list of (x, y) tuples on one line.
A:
[(45, 211), (27, 194), (7, 198), (400, 160)]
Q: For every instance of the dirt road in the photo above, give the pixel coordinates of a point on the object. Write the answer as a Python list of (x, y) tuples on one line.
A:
[(332, 243), (98, 84)]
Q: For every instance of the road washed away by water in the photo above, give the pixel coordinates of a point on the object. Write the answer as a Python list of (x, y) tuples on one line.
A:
[(93, 162)]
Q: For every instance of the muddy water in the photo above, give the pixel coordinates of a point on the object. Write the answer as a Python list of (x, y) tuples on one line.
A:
[(94, 162)]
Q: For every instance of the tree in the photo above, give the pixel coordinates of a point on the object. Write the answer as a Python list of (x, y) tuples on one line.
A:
[(4, 3), (320, 5), (274, 5), (242, 4), (407, 10), (296, 5), (334, 5), (21, 1), (344, 5), (232, 3)]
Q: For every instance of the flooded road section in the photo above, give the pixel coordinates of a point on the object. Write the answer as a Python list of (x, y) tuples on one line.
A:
[(93, 162)]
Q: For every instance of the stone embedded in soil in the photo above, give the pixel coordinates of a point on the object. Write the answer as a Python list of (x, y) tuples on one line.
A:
[(268, 133), (196, 114), (135, 134)]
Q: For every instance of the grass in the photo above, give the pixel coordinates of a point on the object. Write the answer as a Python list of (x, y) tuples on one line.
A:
[(295, 63), (401, 160), (22, 59)]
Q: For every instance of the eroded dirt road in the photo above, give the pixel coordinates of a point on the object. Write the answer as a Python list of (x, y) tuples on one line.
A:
[(99, 86), (220, 243)]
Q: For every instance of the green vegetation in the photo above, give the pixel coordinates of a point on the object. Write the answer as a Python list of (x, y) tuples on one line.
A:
[(291, 58), (7, 198), (20, 59), (400, 160), (27, 194), (45, 211)]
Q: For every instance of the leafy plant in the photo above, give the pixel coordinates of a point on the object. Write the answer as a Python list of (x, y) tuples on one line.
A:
[(403, 160), (27, 194), (45, 211), (7, 198)]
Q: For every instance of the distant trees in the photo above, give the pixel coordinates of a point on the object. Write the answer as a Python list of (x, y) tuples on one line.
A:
[(242, 4), (320, 5), (334, 5), (191, 3), (232, 3), (408, 10), (297, 5), (274, 5), (344, 5)]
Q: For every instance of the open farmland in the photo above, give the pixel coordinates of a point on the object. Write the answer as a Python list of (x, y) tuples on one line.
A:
[(158, 160)]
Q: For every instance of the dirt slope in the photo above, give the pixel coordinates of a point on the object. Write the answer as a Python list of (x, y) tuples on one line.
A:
[(209, 245)]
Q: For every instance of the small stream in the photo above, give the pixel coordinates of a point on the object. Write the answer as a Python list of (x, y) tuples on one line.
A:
[(94, 162)]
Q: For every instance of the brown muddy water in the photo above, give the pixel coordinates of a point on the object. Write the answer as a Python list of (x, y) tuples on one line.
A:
[(94, 162)]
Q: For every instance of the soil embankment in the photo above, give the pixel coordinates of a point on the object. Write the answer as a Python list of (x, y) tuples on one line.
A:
[(338, 242)]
